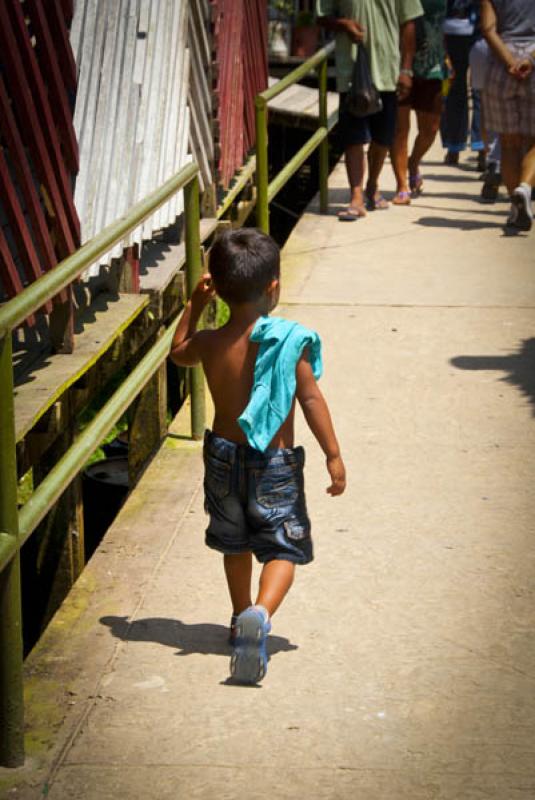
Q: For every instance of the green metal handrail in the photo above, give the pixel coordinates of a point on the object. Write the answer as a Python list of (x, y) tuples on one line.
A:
[(266, 191), (15, 526)]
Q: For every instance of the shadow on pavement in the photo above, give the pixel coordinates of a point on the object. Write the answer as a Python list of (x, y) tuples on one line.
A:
[(479, 210), (519, 366), (461, 224), (203, 638)]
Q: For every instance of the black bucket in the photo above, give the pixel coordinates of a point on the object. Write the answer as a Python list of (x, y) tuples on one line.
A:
[(105, 487)]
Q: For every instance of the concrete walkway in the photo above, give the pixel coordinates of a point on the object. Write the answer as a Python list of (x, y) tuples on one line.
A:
[(402, 664)]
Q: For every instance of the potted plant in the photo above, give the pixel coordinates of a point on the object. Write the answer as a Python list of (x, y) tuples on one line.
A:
[(305, 35), (280, 14)]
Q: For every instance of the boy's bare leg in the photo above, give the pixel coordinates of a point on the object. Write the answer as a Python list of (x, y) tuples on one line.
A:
[(238, 569), (275, 581)]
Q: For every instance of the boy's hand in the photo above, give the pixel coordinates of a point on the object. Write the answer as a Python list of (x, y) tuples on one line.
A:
[(337, 471), (203, 292)]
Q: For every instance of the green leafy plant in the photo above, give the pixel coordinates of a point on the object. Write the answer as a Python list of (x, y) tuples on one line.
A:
[(305, 19), (284, 8)]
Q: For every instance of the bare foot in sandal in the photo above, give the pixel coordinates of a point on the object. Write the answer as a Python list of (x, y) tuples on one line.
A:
[(375, 200), (351, 213), (402, 198)]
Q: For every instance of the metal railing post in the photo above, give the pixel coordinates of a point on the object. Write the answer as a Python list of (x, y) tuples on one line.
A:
[(11, 652), (262, 170), (193, 273), (324, 146)]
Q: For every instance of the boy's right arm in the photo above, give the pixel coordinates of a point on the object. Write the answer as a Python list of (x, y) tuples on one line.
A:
[(185, 349), (319, 421)]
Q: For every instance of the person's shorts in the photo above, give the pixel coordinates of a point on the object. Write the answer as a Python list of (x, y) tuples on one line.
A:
[(425, 95), (256, 501), (480, 56), (508, 103), (379, 128)]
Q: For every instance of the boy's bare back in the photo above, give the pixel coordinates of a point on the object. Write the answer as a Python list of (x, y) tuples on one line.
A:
[(228, 358)]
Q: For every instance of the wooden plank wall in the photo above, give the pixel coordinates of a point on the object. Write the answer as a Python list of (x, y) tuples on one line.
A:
[(240, 56), (138, 63), (38, 150)]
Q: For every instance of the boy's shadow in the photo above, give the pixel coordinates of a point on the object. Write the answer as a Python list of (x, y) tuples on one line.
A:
[(203, 638)]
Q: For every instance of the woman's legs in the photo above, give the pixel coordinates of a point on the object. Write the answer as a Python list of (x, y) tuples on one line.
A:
[(455, 119), (399, 152), (355, 166), (527, 166), (428, 126), (518, 171), (511, 165)]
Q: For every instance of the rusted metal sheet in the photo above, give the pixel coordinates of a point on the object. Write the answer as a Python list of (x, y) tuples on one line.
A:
[(38, 142), (240, 56), (36, 84)]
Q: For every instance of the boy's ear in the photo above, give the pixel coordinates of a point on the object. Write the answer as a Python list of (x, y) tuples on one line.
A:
[(273, 286)]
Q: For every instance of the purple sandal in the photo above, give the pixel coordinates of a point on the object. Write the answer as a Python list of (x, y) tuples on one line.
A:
[(416, 183)]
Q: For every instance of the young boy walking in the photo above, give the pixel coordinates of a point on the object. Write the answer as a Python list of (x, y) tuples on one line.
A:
[(256, 367)]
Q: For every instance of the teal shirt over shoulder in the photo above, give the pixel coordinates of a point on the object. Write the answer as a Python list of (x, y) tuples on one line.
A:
[(281, 346)]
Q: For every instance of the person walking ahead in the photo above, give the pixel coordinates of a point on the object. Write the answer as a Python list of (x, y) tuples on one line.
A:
[(386, 29), (509, 98), (256, 367)]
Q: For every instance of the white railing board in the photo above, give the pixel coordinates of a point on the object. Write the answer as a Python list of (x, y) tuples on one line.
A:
[(104, 111), (86, 106), (199, 63), (173, 129), (76, 33), (117, 199), (162, 132), (140, 63), (181, 154), (110, 141), (151, 90)]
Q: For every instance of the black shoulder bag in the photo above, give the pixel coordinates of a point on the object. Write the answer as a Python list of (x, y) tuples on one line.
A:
[(363, 99)]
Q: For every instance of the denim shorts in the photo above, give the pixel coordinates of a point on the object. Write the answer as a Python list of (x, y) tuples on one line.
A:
[(256, 501), (379, 128)]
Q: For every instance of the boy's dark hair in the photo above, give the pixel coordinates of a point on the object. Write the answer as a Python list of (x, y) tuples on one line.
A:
[(243, 263)]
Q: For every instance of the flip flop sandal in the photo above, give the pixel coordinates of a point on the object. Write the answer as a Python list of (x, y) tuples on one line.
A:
[(351, 213), (416, 184), (377, 203), (402, 199)]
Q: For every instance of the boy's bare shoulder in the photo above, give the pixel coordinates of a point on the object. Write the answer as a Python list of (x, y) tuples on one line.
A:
[(209, 341)]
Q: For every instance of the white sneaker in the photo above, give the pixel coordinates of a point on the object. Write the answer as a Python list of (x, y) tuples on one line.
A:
[(521, 203)]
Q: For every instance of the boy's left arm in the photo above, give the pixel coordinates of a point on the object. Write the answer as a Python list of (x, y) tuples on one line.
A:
[(185, 349), (319, 421)]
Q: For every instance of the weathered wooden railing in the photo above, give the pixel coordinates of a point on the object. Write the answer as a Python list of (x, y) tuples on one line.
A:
[(267, 190), (17, 526)]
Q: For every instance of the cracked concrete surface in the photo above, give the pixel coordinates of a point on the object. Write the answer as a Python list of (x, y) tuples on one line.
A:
[(402, 663)]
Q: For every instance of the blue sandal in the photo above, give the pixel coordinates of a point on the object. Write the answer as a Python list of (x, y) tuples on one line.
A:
[(249, 659)]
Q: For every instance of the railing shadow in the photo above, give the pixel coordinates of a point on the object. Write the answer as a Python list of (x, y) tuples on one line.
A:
[(201, 638), (519, 367)]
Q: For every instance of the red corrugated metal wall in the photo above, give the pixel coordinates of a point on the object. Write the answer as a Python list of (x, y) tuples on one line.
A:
[(38, 149), (240, 42)]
